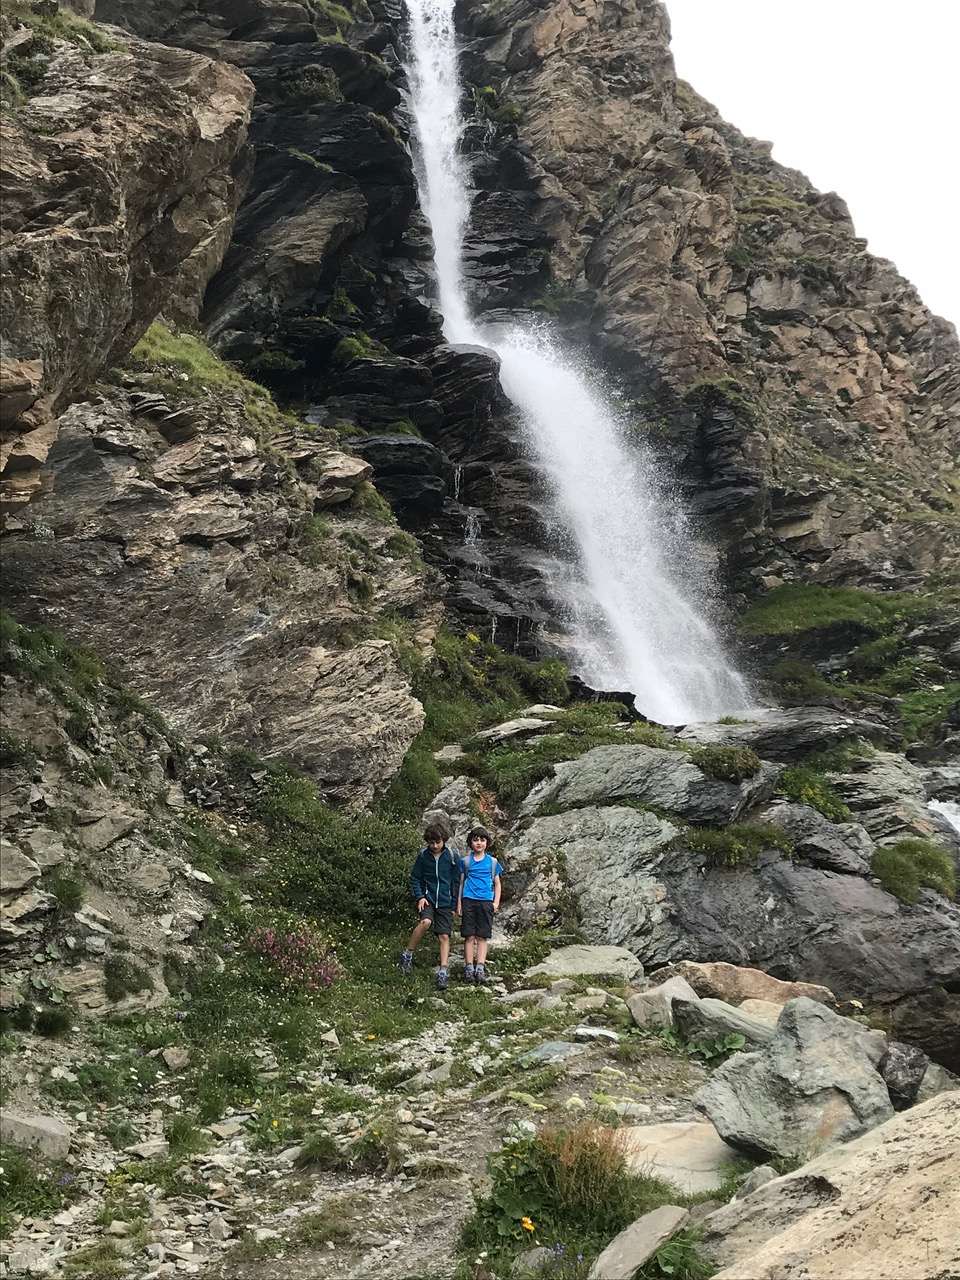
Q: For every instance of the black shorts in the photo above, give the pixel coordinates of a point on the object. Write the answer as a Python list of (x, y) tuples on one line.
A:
[(442, 918), (477, 918)]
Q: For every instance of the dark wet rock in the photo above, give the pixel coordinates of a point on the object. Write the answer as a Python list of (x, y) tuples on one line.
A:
[(791, 733), (844, 847), (903, 1071)]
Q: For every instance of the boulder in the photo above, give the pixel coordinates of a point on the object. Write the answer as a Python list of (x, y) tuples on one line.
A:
[(708, 1019), (581, 961), (888, 796), (511, 728), (789, 734), (46, 1134), (765, 1010), (732, 982), (843, 847), (690, 1154), (815, 1084), (936, 1079), (664, 779), (626, 1253), (757, 1177), (654, 1008), (885, 1204)]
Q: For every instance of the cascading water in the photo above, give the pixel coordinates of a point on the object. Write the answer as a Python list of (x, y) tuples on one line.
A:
[(628, 605)]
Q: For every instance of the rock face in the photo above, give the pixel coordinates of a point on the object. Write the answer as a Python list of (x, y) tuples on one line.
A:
[(201, 575), (122, 177), (816, 1083), (637, 886), (892, 1194), (719, 264), (664, 779)]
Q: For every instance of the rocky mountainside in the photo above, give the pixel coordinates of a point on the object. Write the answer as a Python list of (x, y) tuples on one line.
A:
[(262, 526)]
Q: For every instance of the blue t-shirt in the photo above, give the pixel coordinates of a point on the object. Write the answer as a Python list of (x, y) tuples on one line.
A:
[(480, 873)]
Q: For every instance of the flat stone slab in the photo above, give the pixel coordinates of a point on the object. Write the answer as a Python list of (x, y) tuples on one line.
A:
[(690, 1154), (734, 982), (552, 1051), (46, 1134), (637, 1244), (585, 962)]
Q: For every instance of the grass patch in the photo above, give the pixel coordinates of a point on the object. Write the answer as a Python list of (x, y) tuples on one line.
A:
[(804, 784), (187, 365), (124, 978), (908, 865), (732, 764), (736, 844), (797, 607), (31, 1187)]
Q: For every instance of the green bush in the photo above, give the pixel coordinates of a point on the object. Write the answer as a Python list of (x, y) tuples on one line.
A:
[(874, 657), (736, 844), (908, 865), (733, 764), (806, 785)]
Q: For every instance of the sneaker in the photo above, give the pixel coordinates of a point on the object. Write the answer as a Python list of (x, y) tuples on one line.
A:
[(469, 973), (406, 963), (479, 974), (442, 980)]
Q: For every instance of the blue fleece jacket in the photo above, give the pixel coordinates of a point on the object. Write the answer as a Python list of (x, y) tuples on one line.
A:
[(436, 879)]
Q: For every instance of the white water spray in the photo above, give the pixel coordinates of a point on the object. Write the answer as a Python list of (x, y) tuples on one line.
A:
[(628, 605)]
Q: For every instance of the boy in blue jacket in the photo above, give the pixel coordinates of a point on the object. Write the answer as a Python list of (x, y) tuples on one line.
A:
[(479, 899), (435, 886)]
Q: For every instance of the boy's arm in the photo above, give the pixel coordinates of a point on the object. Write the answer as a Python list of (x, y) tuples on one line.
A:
[(418, 889), (496, 891), (459, 876)]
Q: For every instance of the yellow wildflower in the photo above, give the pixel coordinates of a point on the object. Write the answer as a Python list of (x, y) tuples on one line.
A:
[(527, 1225)]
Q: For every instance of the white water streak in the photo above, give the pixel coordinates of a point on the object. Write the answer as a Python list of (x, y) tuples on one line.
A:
[(629, 605)]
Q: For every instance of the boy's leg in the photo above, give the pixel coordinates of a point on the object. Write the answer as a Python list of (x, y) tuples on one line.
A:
[(418, 933), (406, 960), (444, 940), (469, 952), (484, 930)]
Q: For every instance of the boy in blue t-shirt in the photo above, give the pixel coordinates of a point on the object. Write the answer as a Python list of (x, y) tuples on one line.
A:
[(479, 899)]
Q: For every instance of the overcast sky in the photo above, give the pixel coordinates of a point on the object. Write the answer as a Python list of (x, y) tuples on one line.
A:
[(862, 96)]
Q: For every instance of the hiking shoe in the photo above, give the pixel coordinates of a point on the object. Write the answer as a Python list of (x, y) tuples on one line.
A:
[(479, 974), (469, 973), (442, 980), (406, 963)]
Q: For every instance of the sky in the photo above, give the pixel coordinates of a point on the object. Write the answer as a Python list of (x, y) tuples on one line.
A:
[(863, 96)]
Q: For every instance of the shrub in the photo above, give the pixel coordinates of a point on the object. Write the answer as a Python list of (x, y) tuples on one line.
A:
[(67, 891), (562, 1181), (53, 1022), (123, 977), (908, 865), (734, 764), (806, 785), (738, 843), (301, 959)]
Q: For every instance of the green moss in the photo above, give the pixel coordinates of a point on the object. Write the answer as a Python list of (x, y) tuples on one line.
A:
[(402, 427), (296, 154), (734, 764), (908, 865), (736, 844), (368, 500), (924, 711), (798, 607), (874, 657), (358, 346)]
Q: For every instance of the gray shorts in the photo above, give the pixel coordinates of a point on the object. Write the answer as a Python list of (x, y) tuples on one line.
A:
[(441, 917)]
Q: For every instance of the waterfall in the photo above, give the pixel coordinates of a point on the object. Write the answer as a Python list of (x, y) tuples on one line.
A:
[(948, 809), (629, 598)]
